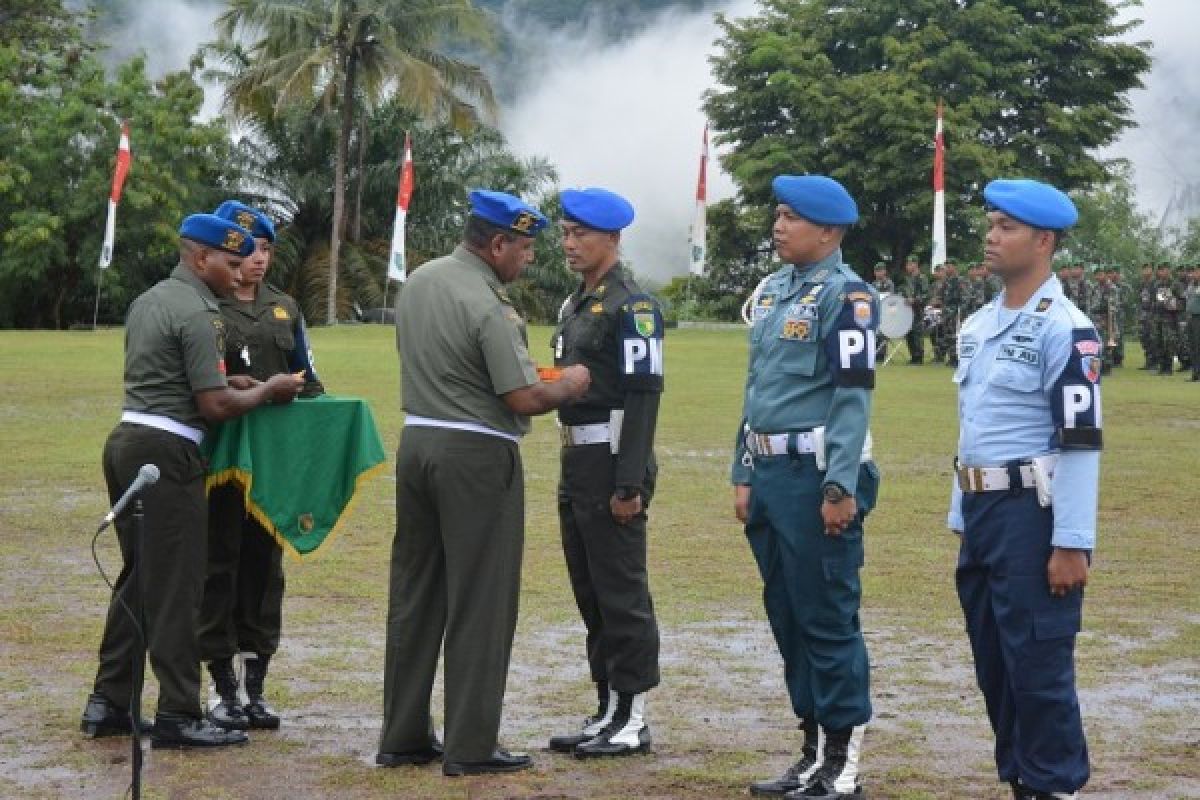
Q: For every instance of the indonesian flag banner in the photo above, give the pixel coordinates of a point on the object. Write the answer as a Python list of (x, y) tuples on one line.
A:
[(397, 269), (114, 197), (939, 193), (700, 223)]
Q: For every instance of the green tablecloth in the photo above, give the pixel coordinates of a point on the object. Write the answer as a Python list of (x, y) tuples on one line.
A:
[(299, 464)]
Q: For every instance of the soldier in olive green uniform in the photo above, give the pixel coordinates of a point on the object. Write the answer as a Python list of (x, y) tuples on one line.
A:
[(1168, 307), (916, 293), (1145, 316), (242, 610), (174, 385), (882, 282), (1105, 316), (1121, 299), (468, 388), (974, 290), (1192, 307), (952, 313), (608, 470)]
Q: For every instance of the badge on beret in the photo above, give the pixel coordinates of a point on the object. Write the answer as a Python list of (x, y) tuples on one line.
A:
[(281, 313), (245, 219), (644, 322), (524, 222), (233, 241), (306, 523)]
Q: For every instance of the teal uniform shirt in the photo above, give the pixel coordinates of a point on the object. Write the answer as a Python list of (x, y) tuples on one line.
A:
[(812, 363)]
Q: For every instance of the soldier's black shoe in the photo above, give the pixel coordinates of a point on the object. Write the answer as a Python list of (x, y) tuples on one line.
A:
[(837, 777), (917, 362), (626, 735), (259, 715), (181, 730), (501, 761), (228, 713), (1025, 793), (412, 758), (606, 706), (101, 718), (797, 774)]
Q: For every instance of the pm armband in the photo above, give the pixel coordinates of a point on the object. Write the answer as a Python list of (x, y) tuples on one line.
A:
[(641, 344)]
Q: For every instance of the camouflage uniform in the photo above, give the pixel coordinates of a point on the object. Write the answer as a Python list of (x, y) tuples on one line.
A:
[(916, 291), (952, 315), (1168, 308), (1105, 311), (1145, 319), (1193, 317)]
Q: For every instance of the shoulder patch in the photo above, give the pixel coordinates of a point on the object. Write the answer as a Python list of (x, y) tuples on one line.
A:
[(640, 341)]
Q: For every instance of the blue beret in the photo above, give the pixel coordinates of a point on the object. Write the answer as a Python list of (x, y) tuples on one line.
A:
[(253, 220), (1032, 202), (213, 231), (598, 209), (816, 198), (508, 212)]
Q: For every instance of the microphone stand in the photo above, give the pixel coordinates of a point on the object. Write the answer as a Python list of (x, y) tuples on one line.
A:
[(139, 656)]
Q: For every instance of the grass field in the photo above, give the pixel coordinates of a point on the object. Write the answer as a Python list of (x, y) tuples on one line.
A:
[(721, 718)]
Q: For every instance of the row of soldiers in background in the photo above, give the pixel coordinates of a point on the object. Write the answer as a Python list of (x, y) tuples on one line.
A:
[(1165, 304)]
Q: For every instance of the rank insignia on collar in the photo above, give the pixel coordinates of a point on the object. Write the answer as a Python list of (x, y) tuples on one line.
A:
[(281, 313), (601, 289), (1044, 303)]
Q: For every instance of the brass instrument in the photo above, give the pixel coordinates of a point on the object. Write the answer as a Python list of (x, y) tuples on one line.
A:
[(1112, 323)]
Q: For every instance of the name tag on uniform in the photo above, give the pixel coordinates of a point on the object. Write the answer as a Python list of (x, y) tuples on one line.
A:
[(967, 345), (1015, 352)]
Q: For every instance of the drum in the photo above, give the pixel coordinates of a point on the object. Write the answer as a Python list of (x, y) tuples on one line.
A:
[(895, 316), (933, 317)]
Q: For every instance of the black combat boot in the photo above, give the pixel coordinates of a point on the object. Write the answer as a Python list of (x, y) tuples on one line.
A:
[(837, 777), (1021, 792), (606, 706), (228, 713), (259, 714), (797, 774), (181, 730), (626, 734), (101, 718)]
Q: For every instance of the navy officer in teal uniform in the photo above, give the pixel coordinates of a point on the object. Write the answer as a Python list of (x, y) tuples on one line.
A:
[(804, 480), (1024, 497)]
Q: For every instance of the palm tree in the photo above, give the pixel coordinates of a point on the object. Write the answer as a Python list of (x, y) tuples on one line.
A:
[(351, 54)]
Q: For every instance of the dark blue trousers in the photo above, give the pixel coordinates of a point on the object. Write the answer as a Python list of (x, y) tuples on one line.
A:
[(1023, 639), (811, 588)]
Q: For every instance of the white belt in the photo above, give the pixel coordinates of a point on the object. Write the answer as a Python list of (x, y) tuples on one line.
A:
[(992, 479), (415, 421), (781, 444), (163, 424), (575, 435)]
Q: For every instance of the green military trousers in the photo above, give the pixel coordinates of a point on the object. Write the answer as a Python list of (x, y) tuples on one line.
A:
[(242, 610), (171, 576), (455, 579)]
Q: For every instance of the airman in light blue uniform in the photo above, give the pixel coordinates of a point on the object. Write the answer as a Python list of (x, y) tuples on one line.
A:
[(1024, 497), (804, 479)]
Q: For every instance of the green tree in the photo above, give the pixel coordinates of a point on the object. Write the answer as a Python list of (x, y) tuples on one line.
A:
[(60, 118), (1111, 229), (345, 56), (849, 89)]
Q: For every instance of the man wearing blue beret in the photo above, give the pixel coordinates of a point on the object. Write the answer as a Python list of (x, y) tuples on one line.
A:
[(608, 470), (804, 480), (1024, 496), (242, 610), (175, 385), (468, 388)]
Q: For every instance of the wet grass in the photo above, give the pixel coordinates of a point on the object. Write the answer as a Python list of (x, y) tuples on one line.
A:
[(720, 718)]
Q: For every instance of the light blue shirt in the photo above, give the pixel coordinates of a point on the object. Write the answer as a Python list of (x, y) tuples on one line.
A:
[(812, 363), (1028, 385)]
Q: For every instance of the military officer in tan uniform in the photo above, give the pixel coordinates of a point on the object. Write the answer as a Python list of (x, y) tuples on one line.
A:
[(468, 389)]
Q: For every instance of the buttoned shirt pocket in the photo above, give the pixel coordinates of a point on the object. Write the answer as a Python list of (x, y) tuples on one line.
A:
[(1014, 377), (798, 358), (590, 331)]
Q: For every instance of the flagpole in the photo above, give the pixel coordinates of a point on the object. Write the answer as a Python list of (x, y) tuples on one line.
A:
[(938, 254), (96, 310)]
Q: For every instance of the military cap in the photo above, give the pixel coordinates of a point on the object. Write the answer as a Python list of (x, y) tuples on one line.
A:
[(253, 220), (818, 199), (506, 211), (880, 265), (598, 209), (1032, 202), (218, 233)]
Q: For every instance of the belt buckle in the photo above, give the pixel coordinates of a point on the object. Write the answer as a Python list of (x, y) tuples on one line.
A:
[(977, 478), (564, 435)]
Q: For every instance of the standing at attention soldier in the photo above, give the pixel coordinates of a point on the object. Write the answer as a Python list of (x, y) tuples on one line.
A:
[(882, 282), (613, 328), (1024, 499), (915, 289), (804, 480), (242, 610), (468, 387), (175, 385)]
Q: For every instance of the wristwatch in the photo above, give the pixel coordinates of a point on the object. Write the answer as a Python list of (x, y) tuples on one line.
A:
[(626, 493), (834, 493)]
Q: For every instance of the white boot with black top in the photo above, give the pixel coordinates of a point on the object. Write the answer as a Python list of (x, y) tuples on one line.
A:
[(627, 733)]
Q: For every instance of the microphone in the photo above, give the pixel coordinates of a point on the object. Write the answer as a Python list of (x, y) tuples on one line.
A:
[(147, 476)]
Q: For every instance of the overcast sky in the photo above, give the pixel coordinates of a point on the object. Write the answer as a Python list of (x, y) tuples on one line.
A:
[(627, 115)]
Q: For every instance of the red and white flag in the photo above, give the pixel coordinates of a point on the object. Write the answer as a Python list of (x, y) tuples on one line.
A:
[(397, 269), (700, 223), (118, 182), (939, 193)]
